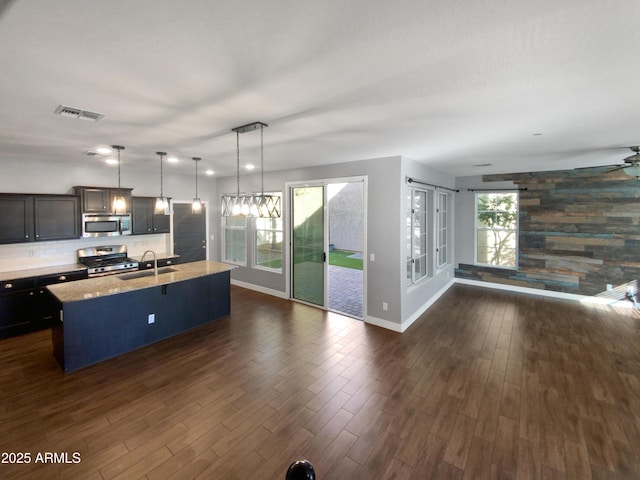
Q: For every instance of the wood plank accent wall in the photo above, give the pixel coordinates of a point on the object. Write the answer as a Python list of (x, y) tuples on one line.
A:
[(579, 230)]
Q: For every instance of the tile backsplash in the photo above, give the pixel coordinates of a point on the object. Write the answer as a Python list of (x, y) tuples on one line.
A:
[(19, 256)]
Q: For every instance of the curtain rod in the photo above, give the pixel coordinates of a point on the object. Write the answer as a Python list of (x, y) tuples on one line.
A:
[(413, 180), (497, 189)]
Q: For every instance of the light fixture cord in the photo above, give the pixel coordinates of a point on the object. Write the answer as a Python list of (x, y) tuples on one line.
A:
[(161, 191), (238, 163), (197, 179), (118, 169), (262, 158)]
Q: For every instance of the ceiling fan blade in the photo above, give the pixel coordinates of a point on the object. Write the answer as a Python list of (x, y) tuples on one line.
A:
[(633, 158), (620, 167), (600, 166)]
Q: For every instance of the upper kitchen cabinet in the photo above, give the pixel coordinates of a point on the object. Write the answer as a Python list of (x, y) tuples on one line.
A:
[(28, 218), (145, 219), (57, 217), (100, 200), (16, 218)]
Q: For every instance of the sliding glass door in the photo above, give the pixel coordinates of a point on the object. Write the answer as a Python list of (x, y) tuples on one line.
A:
[(308, 243)]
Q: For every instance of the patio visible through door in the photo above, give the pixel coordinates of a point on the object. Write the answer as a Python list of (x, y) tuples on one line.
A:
[(327, 245)]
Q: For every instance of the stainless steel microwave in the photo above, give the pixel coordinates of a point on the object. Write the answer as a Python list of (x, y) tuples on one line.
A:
[(105, 225)]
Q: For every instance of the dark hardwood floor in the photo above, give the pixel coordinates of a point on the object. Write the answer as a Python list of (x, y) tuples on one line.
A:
[(485, 385)]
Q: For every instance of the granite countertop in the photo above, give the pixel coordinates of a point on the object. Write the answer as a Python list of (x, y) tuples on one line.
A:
[(41, 271), (127, 282)]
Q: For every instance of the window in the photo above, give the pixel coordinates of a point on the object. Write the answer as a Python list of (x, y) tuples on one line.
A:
[(442, 227), (235, 240), (416, 235), (268, 243), (497, 229)]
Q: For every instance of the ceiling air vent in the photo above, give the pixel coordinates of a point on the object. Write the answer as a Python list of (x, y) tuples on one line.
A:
[(78, 113)]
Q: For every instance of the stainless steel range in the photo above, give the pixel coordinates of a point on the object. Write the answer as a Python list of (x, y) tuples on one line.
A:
[(106, 260)]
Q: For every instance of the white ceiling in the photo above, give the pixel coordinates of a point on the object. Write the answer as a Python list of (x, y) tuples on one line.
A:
[(449, 83)]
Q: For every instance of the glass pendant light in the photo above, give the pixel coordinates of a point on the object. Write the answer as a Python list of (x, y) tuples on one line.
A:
[(162, 202), (196, 205), (119, 204)]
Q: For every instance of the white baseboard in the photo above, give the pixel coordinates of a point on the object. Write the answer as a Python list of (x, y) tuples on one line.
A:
[(379, 322), (258, 288), (543, 293)]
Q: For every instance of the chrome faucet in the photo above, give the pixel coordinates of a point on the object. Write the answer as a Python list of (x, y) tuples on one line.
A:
[(155, 260)]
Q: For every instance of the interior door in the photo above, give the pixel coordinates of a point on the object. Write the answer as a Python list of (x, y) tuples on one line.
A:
[(308, 244), (189, 233)]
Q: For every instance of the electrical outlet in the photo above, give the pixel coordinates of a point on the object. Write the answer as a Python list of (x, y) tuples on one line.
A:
[(151, 318), (372, 257), (385, 306)]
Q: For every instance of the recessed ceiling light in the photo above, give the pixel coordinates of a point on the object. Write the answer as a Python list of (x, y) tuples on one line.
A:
[(104, 150), (172, 159), (209, 172), (537, 134), (249, 166), (483, 164)]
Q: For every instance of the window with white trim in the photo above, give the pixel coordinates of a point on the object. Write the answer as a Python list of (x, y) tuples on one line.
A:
[(235, 240), (442, 227), (417, 234), (497, 229), (268, 240)]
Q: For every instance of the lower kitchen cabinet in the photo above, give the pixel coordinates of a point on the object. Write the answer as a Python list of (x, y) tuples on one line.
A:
[(16, 307), (102, 327), (26, 305)]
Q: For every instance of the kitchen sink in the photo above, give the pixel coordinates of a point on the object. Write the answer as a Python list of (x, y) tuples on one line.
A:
[(145, 273)]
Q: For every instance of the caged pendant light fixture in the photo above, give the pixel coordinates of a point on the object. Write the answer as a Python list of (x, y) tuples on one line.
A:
[(250, 205), (162, 202), (196, 205), (119, 204)]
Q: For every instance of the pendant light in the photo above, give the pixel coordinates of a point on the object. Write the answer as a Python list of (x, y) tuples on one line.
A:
[(258, 205), (119, 204), (162, 202), (196, 205)]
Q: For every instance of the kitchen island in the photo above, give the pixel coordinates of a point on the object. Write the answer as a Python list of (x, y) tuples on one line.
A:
[(103, 317)]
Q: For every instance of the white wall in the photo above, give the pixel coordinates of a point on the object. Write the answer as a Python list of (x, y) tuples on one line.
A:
[(20, 176), (383, 216), (385, 235), (418, 297)]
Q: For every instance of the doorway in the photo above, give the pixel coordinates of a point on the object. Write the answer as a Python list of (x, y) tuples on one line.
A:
[(328, 244), (189, 233)]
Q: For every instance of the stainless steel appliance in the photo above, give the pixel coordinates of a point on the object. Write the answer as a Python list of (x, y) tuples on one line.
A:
[(105, 225), (106, 260)]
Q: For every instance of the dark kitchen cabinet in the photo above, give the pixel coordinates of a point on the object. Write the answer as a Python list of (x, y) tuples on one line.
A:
[(28, 218), (16, 306), (57, 217), (16, 218), (145, 219), (26, 305), (100, 200)]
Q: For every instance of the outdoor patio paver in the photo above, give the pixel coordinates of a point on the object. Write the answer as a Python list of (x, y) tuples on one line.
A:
[(346, 290)]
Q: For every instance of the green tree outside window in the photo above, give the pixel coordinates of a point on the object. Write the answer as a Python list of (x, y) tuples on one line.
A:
[(496, 229)]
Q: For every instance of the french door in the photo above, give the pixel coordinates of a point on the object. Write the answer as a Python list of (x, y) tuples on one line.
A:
[(308, 244)]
